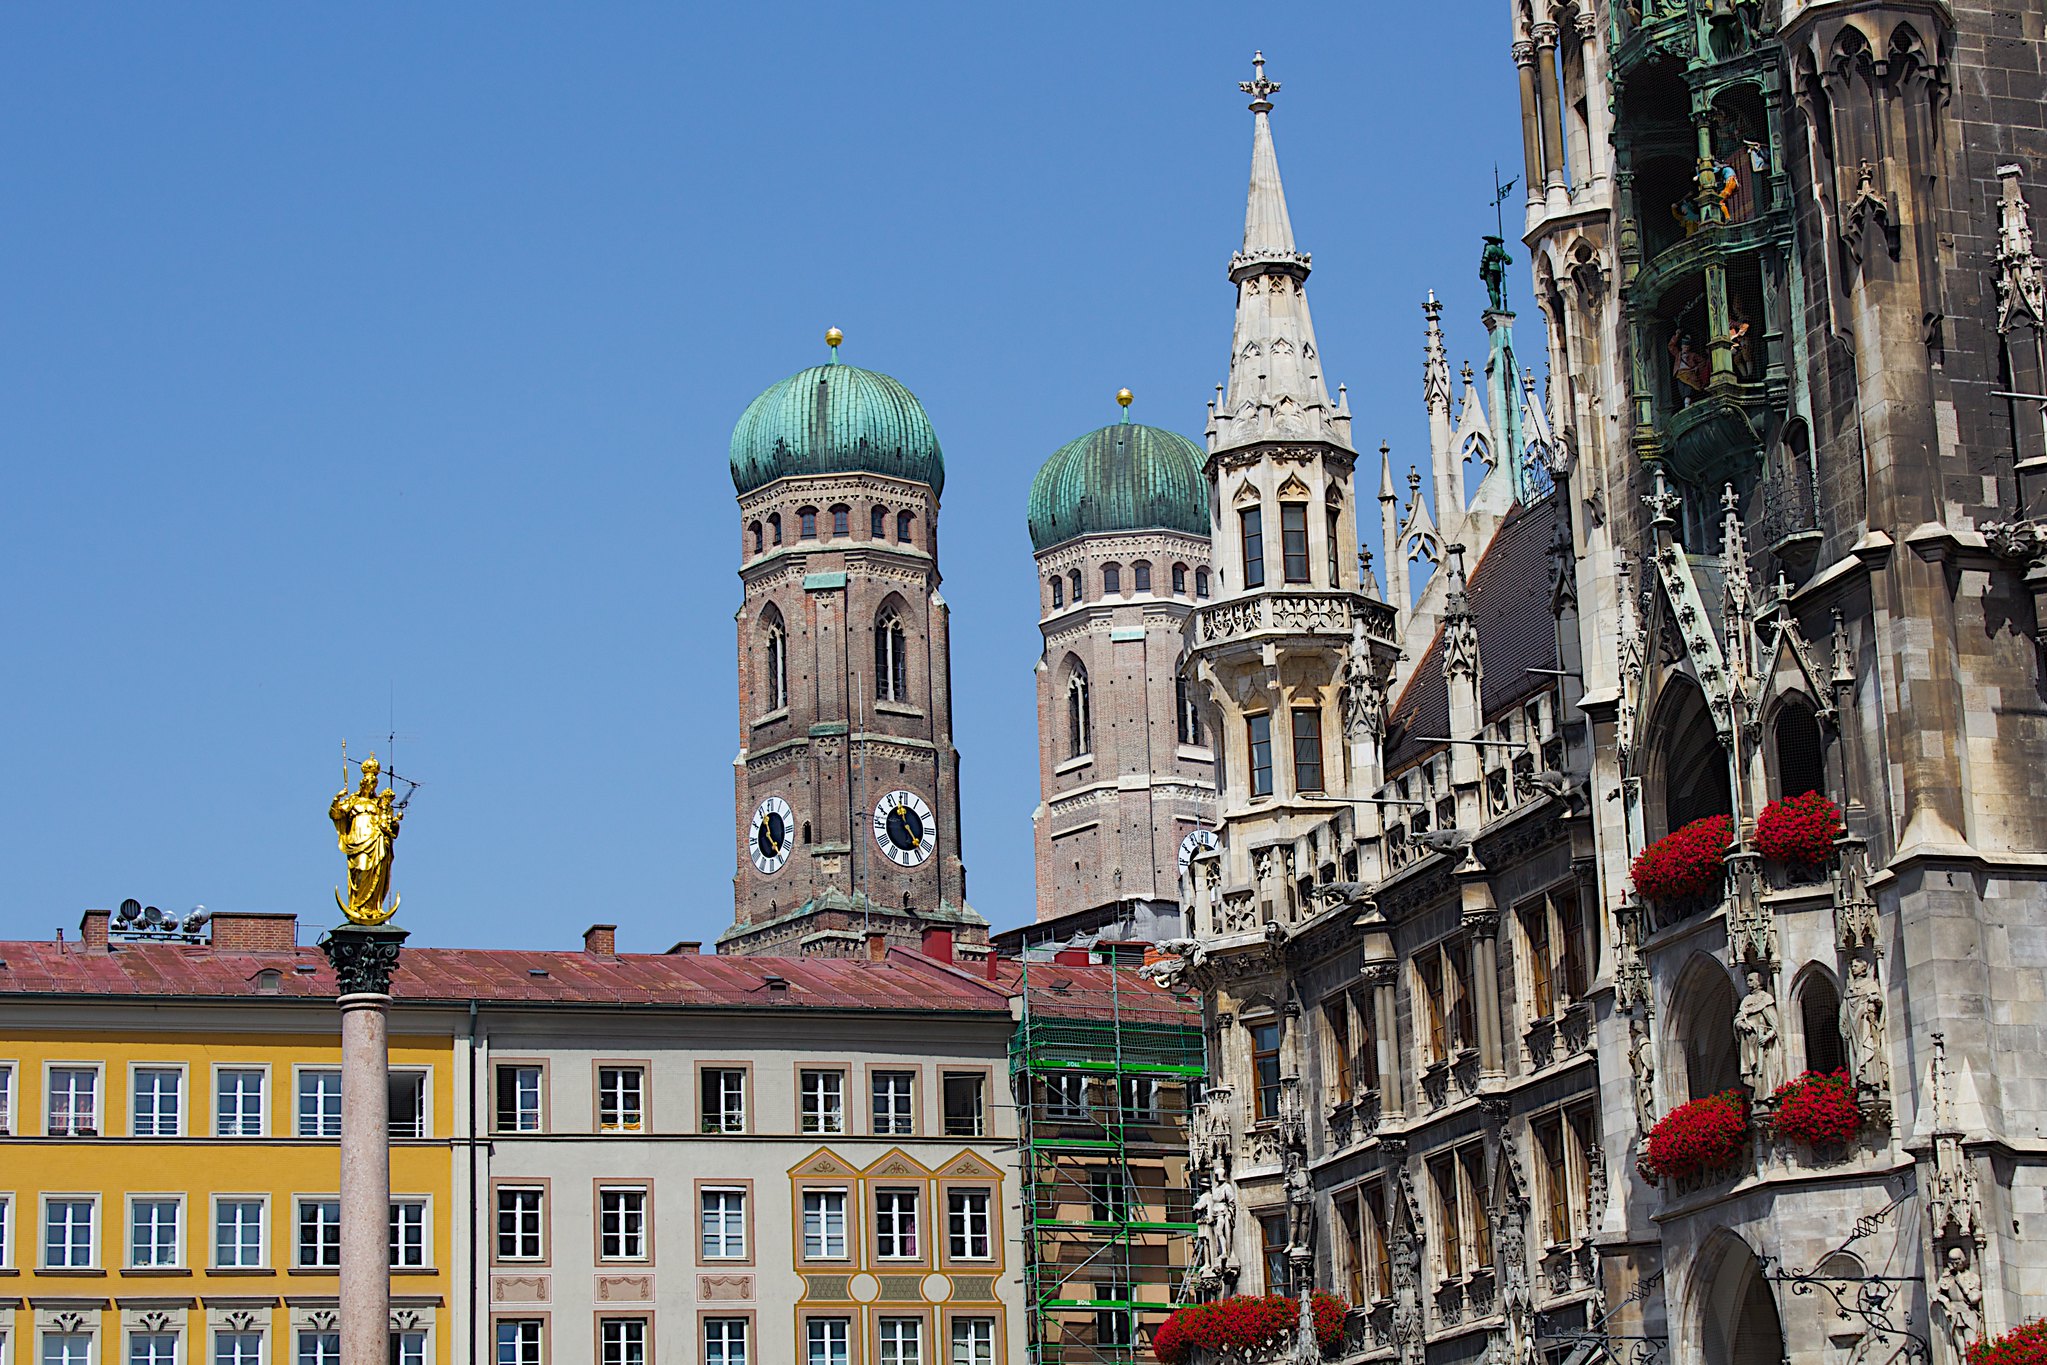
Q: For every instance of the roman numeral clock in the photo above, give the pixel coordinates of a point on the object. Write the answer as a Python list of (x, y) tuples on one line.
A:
[(904, 829)]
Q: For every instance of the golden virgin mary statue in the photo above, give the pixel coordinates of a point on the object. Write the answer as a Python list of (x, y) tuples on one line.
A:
[(366, 825)]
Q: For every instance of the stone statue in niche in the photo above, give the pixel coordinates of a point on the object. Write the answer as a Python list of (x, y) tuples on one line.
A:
[(1642, 1059), (1959, 1293), (1756, 1029), (1862, 1024)]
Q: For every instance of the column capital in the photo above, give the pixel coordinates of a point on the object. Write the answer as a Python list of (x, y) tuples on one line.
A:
[(1545, 34), (1524, 53), (1484, 923), (1379, 973), (363, 957)]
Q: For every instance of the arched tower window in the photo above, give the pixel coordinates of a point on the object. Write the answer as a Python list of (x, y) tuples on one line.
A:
[(1695, 781), (775, 657), (842, 515), (1707, 1025), (1819, 1017), (1140, 576), (757, 542), (1058, 592), (877, 523), (1201, 582), (1293, 541), (775, 527), (1079, 717), (1190, 712), (1179, 580), (891, 659), (806, 523), (1801, 763), (1251, 526), (903, 523), (1112, 579), (1073, 586)]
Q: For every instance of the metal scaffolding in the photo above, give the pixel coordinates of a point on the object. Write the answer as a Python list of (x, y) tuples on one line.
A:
[(1105, 1068)]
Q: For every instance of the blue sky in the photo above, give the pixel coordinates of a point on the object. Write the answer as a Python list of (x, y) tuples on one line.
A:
[(370, 361)]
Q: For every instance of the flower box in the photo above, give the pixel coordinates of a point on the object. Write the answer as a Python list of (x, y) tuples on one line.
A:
[(1684, 862), (2022, 1345), (1799, 830), (1248, 1327), (1705, 1135), (1817, 1108)]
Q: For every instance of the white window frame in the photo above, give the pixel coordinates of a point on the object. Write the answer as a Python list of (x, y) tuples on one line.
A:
[(522, 1120), (262, 1203), (961, 1216), (92, 1239), (299, 1076), (1066, 1096), (614, 1096), (538, 1214), (728, 1339), (824, 1235), (261, 1071), (177, 1249), (529, 1344), (818, 1343), (893, 1225), (299, 1204), (89, 1337), (973, 1341), (729, 1118), (402, 1351), (894, 1345), (6, 1236), (320, 1355), (8, 1117), (731, 1202), (631, 1345), (822, 1100), (131, 1336), (136, 1071), (401, 1204), (1139, 1097), (631, 1237), (426, 1101), (99, 1099), (894, 1120), (214, 1333)]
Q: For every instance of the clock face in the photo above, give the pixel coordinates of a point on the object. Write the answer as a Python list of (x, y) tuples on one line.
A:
[(768, 839), (905, 829), (1193, 844)]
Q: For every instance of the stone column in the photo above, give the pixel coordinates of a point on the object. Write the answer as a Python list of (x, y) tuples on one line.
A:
[(1546, 98), (1379, 978), (363, 957), (1531, 127), (1484, 927)]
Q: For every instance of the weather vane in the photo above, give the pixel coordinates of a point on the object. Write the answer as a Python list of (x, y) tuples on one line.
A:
[(366, 823), (1500, 193)]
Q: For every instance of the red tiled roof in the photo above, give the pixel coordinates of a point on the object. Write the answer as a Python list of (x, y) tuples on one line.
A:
[(906, 981), (1068, 991)]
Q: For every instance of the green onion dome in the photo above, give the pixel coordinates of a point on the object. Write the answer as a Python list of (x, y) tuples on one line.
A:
[(835, 419), (1124, 477)]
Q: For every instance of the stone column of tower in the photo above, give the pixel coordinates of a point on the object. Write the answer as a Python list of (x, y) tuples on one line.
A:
[(845, 814), (1126, 774)]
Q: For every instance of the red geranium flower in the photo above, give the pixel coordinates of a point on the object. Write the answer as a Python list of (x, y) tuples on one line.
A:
[(1246, 1323), (1704, 1135), (1818, 1107), (2022, 1345), (1685, 861), (1798, 829)]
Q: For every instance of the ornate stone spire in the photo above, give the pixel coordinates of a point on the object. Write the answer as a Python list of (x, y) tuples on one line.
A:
[(1276, 390)]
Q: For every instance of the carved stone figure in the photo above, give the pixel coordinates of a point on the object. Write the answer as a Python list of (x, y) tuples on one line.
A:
[(1862, 1024), (1642, 1058), (366, 826), (1221, 1226), (1959, 1293), (1300, 1208), (1755, 1027)]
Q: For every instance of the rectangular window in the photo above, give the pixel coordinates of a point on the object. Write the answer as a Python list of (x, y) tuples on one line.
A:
[(1542, 998), (68, 1233), (724, 1096), (319, 1234), (237, 1348), (824, 1101), (1429, 968), (152, 1348), (319, 1104), (238, 1233), (518, 1341), (724, 1341), (238, 1102), (806, 523), (1463, 1007), (724, 1225), (894, 1102), (1251, 525), (6, 1100), (1575, 950), (408, 1348), (1583, 1154), (1108, 1195), (74, 1101), (1066, 1097), (1265, 1067), (1449, 1224), (895, 1225), (520, 1214), (408, 1234), (1350, 1243), (973, 1341), (156, 1111), (902, 1341), (1140, 576), (6, 1247), (964, 1107), (1140, 1097), (967, 1229), (1112, 1323), (622, 1341), (1471, 1170), (1335, 557), (839, 524), (622, 1224), (621, 1098), (824, 1224), (1293, 540), (319, 1348), (1336, 1027), (826, 1341), (1272, 1242), (67, 1348), (1260, 729), (1378, 1250), (518, 1099), (153, 1233), (1307, 749), (405, 1114), (1556, 1181)]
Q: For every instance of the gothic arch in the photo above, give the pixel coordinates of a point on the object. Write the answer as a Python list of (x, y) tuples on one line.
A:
[(774, 644), (1797, 750), (1079, 701), (1734, 1314), (892, 662), (1815, 1022), (1701, 1056), (1685, 768)]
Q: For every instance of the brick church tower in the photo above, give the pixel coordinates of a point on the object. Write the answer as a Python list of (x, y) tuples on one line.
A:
[(846, 784), (1126, 775)]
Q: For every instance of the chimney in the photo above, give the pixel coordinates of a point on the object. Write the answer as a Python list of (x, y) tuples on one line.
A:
[(689, 947), (938, 943), (601, 940), (92, 930), (1071, 957), (877, 946), (254, 931)]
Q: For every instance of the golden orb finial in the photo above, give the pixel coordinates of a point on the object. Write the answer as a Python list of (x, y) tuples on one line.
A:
[(1124, 398), (833, 336)]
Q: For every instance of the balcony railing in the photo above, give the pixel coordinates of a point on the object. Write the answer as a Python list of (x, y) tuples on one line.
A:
[(1327, 615)]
